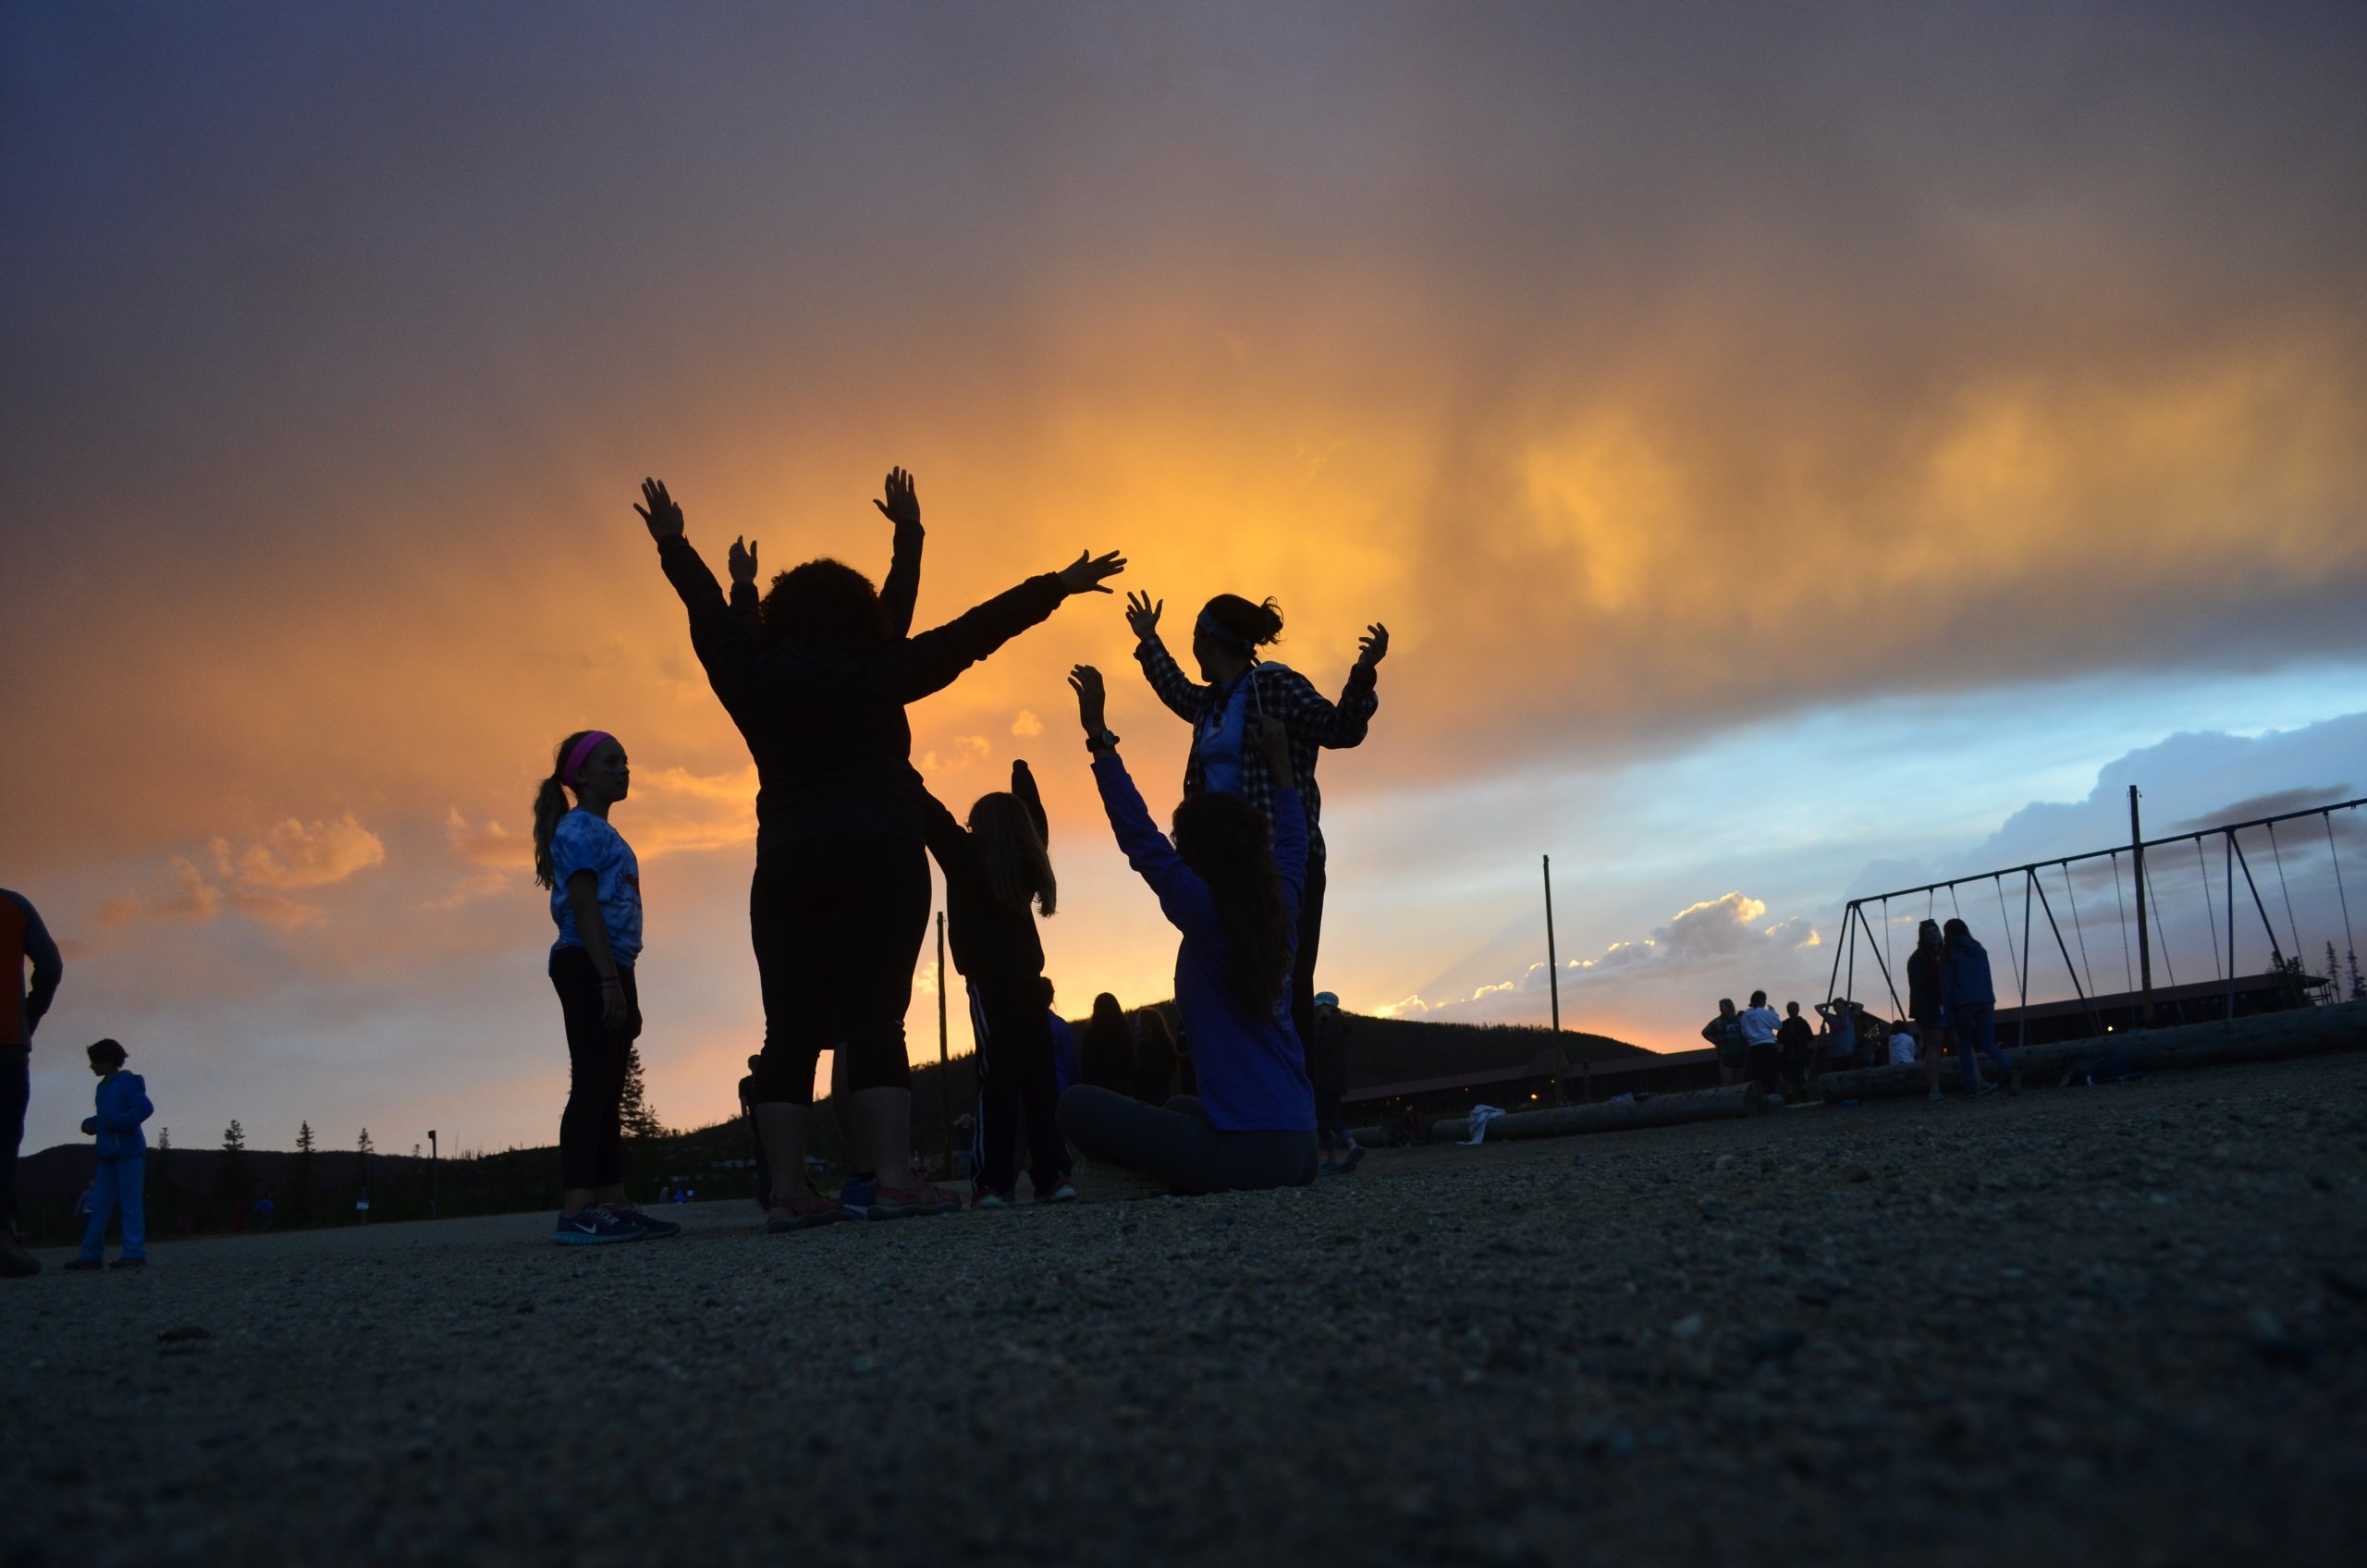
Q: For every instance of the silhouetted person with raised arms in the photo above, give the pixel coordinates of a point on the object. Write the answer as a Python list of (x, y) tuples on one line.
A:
[(1229, 883), (1235, 691), (816, 683), (23, 940)]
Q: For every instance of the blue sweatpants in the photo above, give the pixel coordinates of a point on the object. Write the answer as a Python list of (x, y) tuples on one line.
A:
[(1975, 1030), (119, 1184)]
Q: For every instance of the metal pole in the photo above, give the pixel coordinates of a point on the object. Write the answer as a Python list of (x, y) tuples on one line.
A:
[(2022, 1023), (431, 1172), (2230, 836), (2145, 946), (1554, 986), (944, 1070)]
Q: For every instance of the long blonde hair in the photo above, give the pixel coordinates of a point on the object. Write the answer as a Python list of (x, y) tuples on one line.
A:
[(1012, 852)]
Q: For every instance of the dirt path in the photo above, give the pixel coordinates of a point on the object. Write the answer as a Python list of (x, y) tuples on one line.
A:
[(2125, 1325)]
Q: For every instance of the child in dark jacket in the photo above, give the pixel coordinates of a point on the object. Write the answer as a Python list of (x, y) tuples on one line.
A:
[(995, 870), (123, 1105)]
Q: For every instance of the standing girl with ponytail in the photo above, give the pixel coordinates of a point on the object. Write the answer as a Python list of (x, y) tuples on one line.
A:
[(595, 883)]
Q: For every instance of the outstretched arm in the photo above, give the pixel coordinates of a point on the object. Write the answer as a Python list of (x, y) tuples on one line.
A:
[(1022, 784), (931, 661), (1182, 897), (1310, 715), (725, 643), (1184, 698), (901, 590)]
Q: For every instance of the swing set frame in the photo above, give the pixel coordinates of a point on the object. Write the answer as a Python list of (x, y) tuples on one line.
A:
[(1855, 920)]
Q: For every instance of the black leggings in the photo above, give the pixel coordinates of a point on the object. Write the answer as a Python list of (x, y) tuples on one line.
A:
[(591, 1141), (838, 923), (16, 1093), (1311, 937), (1178, 1143), (1016, 1076)]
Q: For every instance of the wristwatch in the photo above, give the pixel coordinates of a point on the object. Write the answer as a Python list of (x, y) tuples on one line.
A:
[(1106, 738)]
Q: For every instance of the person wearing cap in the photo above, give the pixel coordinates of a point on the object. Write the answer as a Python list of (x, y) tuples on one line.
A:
[(1235, 689), (1327, 1069), (23, 938)]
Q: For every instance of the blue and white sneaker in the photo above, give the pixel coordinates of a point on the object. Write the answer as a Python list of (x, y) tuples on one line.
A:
[(595, 1226), (656, 1229), (856, 1195)]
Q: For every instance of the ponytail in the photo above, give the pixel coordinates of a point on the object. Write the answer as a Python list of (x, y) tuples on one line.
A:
[(550, 804)]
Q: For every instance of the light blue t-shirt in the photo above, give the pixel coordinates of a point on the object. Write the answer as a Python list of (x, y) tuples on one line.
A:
[(1223, 734), (585, 842)]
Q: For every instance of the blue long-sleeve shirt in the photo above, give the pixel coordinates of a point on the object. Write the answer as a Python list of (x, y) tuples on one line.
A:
[(1252, 1076), (123, 1105)]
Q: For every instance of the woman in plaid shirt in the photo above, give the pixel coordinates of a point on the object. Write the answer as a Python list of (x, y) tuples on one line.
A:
[(1223, 707)]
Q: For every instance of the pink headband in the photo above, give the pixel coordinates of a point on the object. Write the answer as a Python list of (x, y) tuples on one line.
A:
[(582, 750)]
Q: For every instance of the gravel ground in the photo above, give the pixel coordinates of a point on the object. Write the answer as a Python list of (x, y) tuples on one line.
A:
[(2124, 1325)]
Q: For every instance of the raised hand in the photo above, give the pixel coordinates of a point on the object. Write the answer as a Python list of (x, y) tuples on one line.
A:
[(744, 561), (665, 519), (1085, 574), (1141, 616), (1092, 698), (1373, 646), (902, 506), (1274, 740)]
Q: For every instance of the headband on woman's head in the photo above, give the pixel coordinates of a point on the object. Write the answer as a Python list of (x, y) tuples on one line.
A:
[(583, 751), (1208, 626)]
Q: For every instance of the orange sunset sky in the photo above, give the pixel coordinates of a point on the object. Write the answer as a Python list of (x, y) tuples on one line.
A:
[(1798, 451)]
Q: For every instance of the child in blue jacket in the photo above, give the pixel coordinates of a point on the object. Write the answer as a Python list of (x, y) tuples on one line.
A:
[(123, 1105)]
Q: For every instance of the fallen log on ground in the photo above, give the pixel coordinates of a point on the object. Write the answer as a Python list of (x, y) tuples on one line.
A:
[(1610, 1116), (2268, 1036)]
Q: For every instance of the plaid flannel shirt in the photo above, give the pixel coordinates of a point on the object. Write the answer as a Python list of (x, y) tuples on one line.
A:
[(1314, 722)]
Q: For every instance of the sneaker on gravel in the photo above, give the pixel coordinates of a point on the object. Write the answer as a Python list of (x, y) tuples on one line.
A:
[(915, 1202), (128, 1263), (1934, 1094), (595, 1226), (856, 1195), (83, 1266), (1353, 1158), (656, 1229), (1063, 1190), (990, 1199), (16, 1263)]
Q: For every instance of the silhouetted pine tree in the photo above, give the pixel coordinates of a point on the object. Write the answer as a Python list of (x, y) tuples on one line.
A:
[(232, 1181), (634, 1112), (304, 1195)]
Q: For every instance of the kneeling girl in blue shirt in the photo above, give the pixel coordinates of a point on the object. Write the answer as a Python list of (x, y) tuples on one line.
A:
[(1231, 883)]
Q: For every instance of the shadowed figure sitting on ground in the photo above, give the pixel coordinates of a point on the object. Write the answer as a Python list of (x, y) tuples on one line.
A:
[(1230, 882)]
